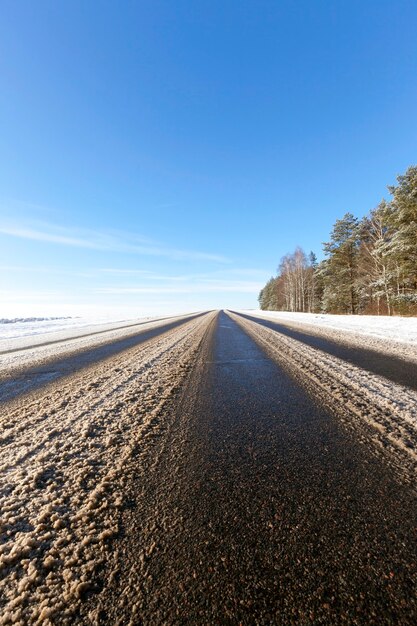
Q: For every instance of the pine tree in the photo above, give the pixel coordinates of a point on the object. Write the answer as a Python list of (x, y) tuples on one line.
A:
[(404, 243), (268, 296), (341, 271)]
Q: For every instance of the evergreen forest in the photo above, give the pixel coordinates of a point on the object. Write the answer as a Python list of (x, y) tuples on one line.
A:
[(369, 265)]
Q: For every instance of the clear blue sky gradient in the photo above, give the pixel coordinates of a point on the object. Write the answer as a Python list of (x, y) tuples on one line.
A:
[(161, 156)]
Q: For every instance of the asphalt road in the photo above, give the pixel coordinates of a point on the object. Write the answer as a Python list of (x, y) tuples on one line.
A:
[(257, 507), (394, 368)]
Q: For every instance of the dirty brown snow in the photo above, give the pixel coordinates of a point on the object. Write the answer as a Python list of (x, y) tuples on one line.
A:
[(64, 455)]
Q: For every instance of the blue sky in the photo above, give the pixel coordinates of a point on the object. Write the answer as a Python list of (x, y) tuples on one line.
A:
[(160, 156)]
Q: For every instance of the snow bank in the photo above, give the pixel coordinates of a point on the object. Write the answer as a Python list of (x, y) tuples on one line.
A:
[(40, 343), (15, 320), (401, 329), (23, 332)]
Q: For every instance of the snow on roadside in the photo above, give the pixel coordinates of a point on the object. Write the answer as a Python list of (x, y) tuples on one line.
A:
[(401, 329), (31, 350), (391, 336), (21, 334)]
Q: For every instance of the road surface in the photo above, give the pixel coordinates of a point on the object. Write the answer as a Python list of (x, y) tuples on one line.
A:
[(395, 368), (219, 472)]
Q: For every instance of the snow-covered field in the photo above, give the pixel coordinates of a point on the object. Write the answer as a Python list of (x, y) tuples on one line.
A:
[(22, 332), (402, 329)]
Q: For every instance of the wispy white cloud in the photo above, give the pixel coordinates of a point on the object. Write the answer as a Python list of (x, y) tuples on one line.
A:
[(47, 270), (36, 235), (142, 275), (228, 271), (120, 271), (105, 241), (47, 295), (203, 286)]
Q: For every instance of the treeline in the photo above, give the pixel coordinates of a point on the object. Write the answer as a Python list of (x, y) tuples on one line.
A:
[(370, 265)]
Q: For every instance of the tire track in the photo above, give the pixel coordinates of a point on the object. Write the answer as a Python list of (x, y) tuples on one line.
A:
[(32, 369), (394, 360), (377, 409), (66, 453)]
